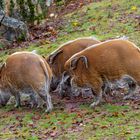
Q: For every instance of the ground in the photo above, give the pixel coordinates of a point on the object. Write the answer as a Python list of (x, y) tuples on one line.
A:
[(74, 119)]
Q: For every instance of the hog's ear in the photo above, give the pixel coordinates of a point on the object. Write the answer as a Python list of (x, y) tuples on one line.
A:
[(52, 57), (1, 67), (74, 62)]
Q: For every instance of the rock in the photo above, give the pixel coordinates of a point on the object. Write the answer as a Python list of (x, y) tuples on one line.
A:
[(4, 43), (11, 28)]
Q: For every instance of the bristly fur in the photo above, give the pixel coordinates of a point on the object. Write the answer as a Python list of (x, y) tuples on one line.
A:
[(27, 72), (58, 58), (111, 59)]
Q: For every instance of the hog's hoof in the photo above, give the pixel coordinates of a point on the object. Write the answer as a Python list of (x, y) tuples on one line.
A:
[(127, 97), (40, 106), (93, 105), (48, 110), (33, 105), (17, 106)]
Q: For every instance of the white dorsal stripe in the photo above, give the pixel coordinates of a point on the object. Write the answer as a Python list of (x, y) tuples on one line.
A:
[(99, 44), (23, 52), (71, 41)]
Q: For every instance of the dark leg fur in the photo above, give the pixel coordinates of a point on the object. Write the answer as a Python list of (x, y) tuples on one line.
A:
[(18, 102), (132, 87)]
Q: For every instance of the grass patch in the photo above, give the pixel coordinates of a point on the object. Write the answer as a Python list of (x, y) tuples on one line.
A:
[(105, 121), (104, 20)]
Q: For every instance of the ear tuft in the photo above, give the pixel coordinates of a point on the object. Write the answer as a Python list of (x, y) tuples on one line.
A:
[(1, 67), (74, 62), (52, 57)]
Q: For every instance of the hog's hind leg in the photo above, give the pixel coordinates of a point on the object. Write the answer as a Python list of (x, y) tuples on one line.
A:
[(16, 94), (44, 94)]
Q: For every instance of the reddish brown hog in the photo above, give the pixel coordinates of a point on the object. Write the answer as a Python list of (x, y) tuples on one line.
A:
[(28, 73), (109, 60), (58, 58)]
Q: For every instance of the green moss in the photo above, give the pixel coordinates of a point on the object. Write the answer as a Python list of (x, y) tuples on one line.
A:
[(12, 5), (2, 4), (31, 6), (21, 4)]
